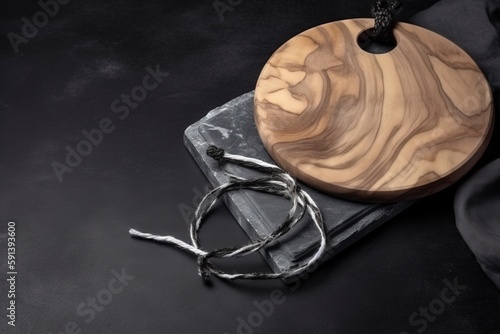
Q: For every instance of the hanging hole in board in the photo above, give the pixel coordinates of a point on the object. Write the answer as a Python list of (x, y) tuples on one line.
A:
[(369, 43)]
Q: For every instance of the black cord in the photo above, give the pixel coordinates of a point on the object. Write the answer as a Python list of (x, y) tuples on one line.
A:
[(384, 11)]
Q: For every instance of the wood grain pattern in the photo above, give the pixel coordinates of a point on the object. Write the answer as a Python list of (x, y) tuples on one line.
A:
[(373, 127)]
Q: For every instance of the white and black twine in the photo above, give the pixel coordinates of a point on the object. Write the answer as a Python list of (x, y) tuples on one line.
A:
[(278, 182)]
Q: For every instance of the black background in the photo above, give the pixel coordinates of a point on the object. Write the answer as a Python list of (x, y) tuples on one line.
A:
[(72, 234)]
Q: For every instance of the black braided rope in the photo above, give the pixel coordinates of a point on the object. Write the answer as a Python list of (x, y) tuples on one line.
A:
[(384, 11)]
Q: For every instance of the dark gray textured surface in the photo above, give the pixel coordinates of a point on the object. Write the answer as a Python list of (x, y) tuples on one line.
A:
[(232, 127), (71, 235)]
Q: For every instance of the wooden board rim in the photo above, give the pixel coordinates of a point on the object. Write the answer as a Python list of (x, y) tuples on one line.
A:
[(394, 194)]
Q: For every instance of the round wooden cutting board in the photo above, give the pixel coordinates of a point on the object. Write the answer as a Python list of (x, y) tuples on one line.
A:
[(373, 127)]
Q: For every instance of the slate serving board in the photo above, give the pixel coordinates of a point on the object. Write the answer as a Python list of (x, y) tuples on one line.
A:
[(232, 128)]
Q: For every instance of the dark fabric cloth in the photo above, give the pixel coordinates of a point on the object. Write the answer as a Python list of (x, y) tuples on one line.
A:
[(477, 202), (477, 210)]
